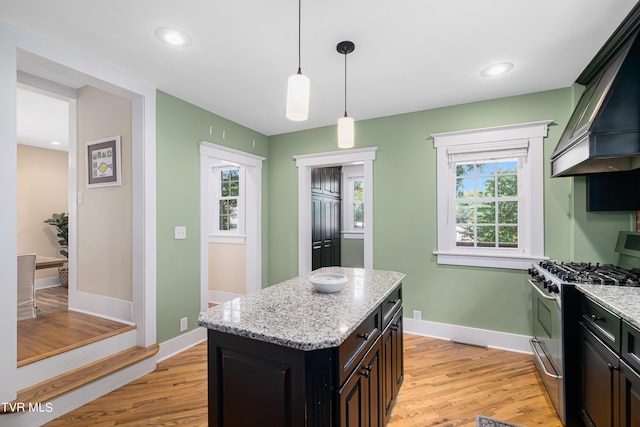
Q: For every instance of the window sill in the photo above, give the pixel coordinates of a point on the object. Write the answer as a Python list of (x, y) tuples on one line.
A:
[(353, 235), (514, 262), (219, 238)]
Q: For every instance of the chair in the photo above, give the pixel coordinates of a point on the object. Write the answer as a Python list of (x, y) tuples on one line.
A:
[(26, 286)]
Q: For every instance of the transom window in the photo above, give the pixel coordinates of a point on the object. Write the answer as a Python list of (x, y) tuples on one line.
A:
[(490, 196)]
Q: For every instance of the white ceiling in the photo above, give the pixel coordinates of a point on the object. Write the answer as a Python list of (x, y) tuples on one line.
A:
[(410, 55)]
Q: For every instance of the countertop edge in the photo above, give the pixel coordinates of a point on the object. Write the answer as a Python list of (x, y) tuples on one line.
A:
[(301, 345), (594, 292)]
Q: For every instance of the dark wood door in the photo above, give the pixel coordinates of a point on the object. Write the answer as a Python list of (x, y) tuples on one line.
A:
[(326, 217)]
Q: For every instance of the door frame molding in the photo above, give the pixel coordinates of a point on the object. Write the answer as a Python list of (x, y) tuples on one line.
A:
[(305, 163), (253, 209)]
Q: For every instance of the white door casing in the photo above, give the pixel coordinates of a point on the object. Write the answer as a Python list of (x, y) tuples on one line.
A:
[(305, 163)]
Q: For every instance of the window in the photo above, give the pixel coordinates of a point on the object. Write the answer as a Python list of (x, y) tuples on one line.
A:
[(490, 196), (227, 222), (487, 203), (229, 190), (353, 203), (356, 185)]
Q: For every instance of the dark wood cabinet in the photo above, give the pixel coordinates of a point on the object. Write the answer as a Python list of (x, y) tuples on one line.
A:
[(629, 396), (326, 217), (600, 382), (361, 395), (609, 368), (393, 364), (355, 384)]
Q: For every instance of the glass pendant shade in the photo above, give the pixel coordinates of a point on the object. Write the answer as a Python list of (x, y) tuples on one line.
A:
[(346, 132), (298, 97)]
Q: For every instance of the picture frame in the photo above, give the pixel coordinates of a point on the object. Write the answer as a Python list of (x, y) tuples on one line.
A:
[(103, 162)]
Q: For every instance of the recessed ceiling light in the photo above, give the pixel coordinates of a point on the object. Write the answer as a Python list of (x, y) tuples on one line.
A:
[(55, 143), (173, 36), (497, 69)]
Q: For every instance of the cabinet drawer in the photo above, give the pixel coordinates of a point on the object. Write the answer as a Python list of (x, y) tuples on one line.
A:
[(390, 305), (631, 345), (357, 344), (603, 323)]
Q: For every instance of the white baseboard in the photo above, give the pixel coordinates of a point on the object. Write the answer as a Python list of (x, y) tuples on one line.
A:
[(100, 306), (47, 282), (219, 297), (181, 343), (467, 335)]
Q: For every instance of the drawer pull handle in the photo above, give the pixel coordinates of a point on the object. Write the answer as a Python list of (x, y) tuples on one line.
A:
[(363, 336), (393, 301), (365, 373), (612, 368), (596, 318), (395, 327)]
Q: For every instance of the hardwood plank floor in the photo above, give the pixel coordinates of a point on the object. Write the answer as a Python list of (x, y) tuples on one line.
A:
[(59, 331), (52, 299), (445, 385)]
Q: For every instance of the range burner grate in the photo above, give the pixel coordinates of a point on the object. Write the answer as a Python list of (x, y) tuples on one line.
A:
[(599, 274)]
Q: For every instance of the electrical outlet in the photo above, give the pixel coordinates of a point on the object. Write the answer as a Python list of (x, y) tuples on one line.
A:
[(180, 232), (184, 324), (417, 315)]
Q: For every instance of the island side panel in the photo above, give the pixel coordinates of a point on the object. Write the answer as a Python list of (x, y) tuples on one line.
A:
[(252, 382)]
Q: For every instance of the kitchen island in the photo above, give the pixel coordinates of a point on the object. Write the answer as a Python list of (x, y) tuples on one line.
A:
[(291, 356)]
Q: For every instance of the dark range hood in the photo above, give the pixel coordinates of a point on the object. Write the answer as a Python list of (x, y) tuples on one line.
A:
[(603, 134)]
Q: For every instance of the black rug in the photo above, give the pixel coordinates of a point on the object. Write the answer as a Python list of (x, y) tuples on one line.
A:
[(490, 422)]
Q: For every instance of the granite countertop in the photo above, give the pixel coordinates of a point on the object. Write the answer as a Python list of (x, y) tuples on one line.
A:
[(623, 301), (293, 314)]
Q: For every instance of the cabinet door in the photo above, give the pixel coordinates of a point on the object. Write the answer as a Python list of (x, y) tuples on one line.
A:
[(599, 371), (393, 365), (361, 396), (629, 396), (398, 359)]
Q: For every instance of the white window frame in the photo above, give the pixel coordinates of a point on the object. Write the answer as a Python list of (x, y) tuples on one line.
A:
[(216, 235), (525, 141), (349, 174)]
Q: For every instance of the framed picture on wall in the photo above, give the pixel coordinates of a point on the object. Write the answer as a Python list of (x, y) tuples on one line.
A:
[(103, 162)]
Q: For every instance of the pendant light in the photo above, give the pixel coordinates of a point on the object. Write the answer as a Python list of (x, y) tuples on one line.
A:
[(298, 88), (345, 124)]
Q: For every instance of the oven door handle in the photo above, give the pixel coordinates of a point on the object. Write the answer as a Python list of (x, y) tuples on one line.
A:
[(532, 342), (543, 295)]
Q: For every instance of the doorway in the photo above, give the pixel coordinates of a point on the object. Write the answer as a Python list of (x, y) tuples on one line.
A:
[(230, 223), (305, 164)]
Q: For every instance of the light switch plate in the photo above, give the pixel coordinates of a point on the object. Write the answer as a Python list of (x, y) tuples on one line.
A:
[(180, 232)]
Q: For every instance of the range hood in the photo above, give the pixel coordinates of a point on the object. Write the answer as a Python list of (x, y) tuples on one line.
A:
[(603, 134)]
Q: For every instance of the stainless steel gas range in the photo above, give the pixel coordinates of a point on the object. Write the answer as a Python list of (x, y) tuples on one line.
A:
[(552, 292)]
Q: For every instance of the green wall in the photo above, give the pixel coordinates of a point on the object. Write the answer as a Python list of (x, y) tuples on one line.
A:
[(404, 205), (405, 210), (179, 129)]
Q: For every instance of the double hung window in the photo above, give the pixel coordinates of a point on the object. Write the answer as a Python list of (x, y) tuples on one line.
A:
[(227, 222), (489, 195), (353, 202)]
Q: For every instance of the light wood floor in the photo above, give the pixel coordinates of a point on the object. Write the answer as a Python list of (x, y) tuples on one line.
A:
[(445, 385), (56, 330)]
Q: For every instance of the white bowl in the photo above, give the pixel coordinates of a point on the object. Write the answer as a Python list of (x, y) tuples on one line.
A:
[(328, 283)]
